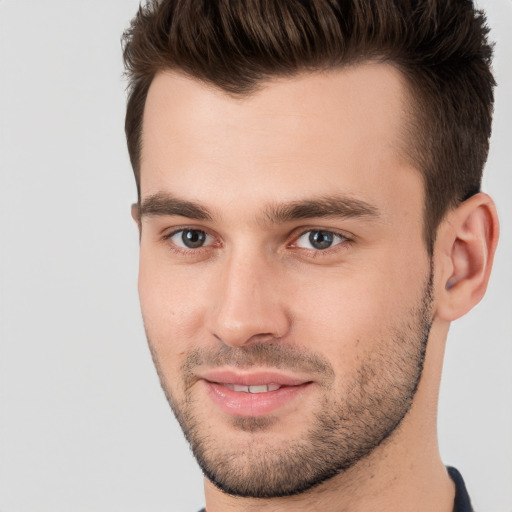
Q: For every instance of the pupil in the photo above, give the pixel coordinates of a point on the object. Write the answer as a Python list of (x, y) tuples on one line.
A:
[(193, 238), (320, 239)]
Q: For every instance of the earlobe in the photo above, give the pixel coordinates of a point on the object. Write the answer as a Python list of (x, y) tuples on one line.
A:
[(464, 254)]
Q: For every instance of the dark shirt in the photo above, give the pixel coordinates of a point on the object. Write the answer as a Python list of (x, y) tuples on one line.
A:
[(462, 502)]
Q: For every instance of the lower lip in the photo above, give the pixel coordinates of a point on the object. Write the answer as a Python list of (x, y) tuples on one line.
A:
[(237, 403)]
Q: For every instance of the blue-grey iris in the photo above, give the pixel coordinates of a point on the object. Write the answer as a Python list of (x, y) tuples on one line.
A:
[(321, 239), (193, 238)]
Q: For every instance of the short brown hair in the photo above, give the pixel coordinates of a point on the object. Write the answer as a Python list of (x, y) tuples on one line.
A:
[(440, 46)]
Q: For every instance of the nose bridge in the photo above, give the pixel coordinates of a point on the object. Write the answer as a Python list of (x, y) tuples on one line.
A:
[(247, 303)]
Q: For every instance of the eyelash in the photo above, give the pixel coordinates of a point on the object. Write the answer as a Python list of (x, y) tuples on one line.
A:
[(312, 253)]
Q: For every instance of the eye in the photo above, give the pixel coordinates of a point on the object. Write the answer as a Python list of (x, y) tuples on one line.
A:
[(319, 240), (190, 238)]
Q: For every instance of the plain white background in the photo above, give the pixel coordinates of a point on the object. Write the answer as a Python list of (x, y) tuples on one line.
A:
[(84, 426)]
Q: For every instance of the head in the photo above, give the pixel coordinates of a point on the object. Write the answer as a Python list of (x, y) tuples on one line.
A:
[(307, 174)]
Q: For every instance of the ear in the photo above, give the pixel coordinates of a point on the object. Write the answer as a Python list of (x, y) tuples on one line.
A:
[(136, 213), (136, 218), (464, 251)]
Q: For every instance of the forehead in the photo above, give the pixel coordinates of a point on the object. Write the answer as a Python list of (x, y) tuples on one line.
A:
[(313, 133)]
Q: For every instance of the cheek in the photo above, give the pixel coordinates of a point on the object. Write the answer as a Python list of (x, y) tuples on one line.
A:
[(339, 320), (171, 306), (348, 313)]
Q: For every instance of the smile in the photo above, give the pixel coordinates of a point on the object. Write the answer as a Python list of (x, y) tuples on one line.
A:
[(255, 393)]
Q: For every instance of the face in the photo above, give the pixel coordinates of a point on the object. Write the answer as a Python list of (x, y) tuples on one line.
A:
[(284, 280)]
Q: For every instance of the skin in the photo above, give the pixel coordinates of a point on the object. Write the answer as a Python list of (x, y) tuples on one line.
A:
[(257, 282)]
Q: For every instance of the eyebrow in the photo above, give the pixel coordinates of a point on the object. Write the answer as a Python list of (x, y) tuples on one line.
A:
[(162, 204), (165, 204), (329, 206)]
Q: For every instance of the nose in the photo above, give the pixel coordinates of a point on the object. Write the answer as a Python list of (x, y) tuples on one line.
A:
[(249, 306)]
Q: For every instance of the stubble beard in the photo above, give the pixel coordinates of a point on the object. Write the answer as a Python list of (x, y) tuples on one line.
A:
[(344, 430)]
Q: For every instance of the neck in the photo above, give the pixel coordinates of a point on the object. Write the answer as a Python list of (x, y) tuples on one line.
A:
[(404, 473)]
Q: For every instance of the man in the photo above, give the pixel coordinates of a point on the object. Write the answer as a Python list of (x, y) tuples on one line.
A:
[(311, 221)]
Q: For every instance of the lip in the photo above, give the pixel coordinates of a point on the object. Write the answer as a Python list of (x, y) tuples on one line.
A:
[(251, 378), (247, 404)]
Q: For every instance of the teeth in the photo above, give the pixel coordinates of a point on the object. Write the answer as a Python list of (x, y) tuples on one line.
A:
[(258, 389), (263, 388)]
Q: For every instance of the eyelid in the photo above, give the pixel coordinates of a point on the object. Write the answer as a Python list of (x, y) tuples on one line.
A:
[(171, 231), (338, 232)]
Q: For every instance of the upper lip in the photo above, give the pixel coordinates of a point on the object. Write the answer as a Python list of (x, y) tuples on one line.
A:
[(251, 378)]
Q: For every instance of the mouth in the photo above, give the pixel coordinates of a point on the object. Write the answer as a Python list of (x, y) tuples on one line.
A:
[(255, 393)]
